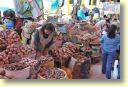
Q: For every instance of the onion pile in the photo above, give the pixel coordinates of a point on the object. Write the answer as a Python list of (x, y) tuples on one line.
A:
[(15, 67), (61, 53), (27, 51), (80, 57), (72, 47), (12, 37), (52, 73), (65, 52), (44, 59), (3, 59), (29, 62), (12, 53)]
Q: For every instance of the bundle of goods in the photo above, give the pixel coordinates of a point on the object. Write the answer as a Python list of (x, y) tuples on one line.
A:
[(3, 59), (52, 73), (72, 47), (63, 54), (12, 53), (12, 37), (27, 51), (84, 38), (87, 27), (17, 70), (80, 66), (80, 57)]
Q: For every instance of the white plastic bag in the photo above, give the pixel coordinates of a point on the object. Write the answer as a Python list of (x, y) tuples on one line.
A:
[(115, 71)]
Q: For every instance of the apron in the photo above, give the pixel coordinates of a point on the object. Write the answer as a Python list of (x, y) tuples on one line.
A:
[(45, 41)]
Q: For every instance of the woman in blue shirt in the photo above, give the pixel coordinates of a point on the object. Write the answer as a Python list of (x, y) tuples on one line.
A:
[(109, 44)]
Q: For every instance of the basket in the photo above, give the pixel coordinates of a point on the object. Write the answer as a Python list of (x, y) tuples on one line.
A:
[(48, 64), (65, 77)]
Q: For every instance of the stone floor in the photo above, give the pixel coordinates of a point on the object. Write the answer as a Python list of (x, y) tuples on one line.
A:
[(95, 72)]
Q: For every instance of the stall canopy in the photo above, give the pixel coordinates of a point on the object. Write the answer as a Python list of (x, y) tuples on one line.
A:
[(4, 5)]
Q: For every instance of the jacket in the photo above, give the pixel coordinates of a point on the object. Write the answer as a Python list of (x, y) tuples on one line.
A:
[(109, 44)]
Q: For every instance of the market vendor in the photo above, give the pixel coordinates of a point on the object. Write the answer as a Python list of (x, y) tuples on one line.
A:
[(42, 39), (27, 31), (81, 15), (9, 19)]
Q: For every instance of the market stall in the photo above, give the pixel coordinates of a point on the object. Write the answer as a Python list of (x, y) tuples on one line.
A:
[(76, 46)]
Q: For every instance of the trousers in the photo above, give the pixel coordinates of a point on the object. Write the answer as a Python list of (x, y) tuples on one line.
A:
[(107, 60)]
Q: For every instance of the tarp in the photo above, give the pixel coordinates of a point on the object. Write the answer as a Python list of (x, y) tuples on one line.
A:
[(54, 6), (29, 8), (111, 7)]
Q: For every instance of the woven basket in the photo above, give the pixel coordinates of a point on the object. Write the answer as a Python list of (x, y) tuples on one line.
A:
[(65, 77)]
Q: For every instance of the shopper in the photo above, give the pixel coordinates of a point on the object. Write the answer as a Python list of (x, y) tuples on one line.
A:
[(42, 39), (100, 23), (96, 12), (74, 11), (109, 44), (85, 10), (80, 14), (104, 29)]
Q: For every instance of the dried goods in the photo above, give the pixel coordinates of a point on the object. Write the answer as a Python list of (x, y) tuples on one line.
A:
[(52, 73), (15, 66)]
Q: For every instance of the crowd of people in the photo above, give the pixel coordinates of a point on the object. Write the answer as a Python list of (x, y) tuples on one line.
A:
[(42, 39)]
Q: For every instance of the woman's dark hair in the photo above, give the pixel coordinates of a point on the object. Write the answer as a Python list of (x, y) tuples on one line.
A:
[(105, 16), (112, 31), (48, 26)]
